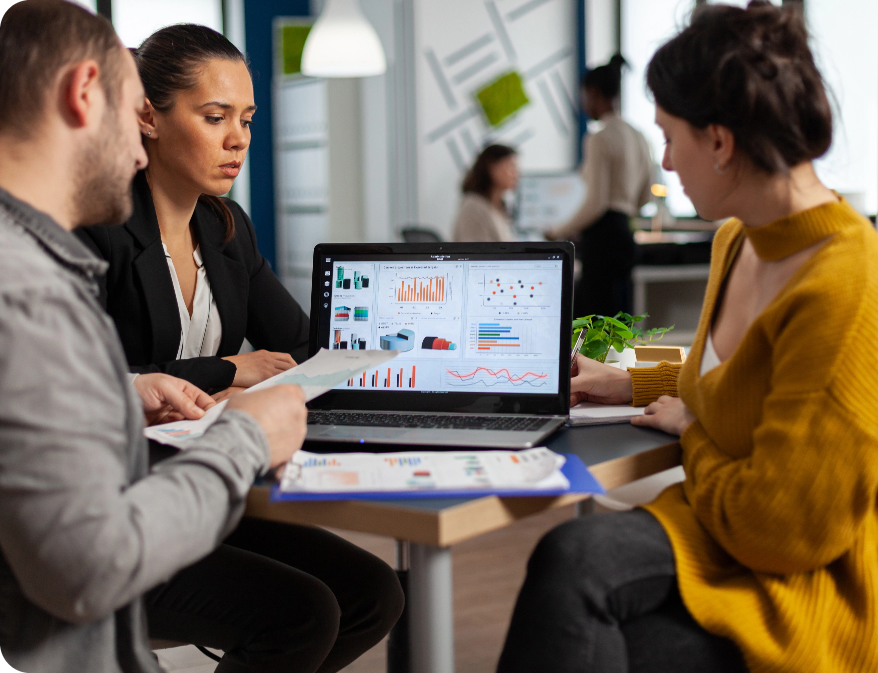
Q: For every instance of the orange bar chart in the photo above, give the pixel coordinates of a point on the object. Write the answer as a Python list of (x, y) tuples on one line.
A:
[(421, 289), (401, 380)]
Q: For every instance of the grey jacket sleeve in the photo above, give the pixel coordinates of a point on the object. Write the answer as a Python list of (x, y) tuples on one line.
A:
[(83, 533)]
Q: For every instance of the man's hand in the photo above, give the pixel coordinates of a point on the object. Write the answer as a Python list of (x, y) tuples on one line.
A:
[(593, 381), (281, 412), (166, 398), (255, 367), (668, 414), (227, 393)]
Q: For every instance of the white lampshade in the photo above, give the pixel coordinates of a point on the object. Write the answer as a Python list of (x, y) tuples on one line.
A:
[(343, 43)]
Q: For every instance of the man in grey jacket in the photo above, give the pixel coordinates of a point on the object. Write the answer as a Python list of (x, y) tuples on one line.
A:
[(85, 529)]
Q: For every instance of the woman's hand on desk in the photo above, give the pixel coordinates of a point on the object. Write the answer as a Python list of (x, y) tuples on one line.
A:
[(255, 367), (668, 414), (281, 412), (593, 381), (166, 398)]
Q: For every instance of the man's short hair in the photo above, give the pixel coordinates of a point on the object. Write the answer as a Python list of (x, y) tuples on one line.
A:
[(38, 38)]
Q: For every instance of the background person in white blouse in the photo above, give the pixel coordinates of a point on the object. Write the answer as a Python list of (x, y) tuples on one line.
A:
[(617, 171), (483, 216)]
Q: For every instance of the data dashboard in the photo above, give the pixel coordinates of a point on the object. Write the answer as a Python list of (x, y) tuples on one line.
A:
[(459, 326)]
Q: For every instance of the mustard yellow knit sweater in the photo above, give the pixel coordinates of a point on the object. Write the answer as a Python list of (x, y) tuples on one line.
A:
[(774, 531)]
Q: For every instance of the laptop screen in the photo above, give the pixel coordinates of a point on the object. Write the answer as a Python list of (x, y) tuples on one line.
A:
[(471, 327)]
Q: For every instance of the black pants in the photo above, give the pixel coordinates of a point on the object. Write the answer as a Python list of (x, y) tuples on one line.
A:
[(607, 252), (601, 596), (278, 598)]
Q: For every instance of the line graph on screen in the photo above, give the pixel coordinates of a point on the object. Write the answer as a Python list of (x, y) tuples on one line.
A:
[(488, 378)]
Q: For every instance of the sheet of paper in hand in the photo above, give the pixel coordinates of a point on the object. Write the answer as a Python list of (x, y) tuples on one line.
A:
[(316, 375)]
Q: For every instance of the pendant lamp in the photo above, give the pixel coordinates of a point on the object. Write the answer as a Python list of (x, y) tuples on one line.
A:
[(342, 43)]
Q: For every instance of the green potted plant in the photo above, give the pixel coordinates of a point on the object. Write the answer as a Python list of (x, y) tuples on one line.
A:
[(618, 333)]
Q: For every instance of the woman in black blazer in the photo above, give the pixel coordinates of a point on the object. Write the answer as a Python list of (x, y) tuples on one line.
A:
[(139, 295), (186, 284)]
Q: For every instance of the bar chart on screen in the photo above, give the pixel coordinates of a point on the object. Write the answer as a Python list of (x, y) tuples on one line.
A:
[(511, 337), (421, 290), (390, 378), (427, 289)]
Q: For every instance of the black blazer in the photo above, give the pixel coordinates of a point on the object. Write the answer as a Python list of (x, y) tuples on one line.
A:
[(138, 293)]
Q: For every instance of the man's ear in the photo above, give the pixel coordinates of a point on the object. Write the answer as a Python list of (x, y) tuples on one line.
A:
[(147, 120), (723, 143), (83, 94)]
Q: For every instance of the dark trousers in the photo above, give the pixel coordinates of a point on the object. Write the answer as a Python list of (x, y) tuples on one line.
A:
[(601, 596), (606, 250), (279, 598)]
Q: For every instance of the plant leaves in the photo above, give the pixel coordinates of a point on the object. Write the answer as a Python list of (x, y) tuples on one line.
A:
[(617, 323), (595, 349)]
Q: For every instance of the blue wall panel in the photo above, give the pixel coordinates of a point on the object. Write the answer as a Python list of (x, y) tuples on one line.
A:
[(258, 18)]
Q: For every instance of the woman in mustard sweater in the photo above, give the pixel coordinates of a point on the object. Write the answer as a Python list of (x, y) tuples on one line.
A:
[(766, 557)]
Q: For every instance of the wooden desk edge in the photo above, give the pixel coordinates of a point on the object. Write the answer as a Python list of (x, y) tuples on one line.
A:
[(621, 471), (455, 524)]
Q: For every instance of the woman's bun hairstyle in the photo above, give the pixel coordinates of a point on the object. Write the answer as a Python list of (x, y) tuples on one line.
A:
[(752, 71), (606, 78), (169, 61)]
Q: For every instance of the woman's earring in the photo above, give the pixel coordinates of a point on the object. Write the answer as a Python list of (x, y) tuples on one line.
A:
[(149, 133), (721, 171)]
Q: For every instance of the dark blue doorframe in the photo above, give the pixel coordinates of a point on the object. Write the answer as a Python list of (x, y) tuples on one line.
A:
[(259, 16)]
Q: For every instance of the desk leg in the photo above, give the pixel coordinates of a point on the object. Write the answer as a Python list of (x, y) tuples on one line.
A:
[(585, 507), (430, 609)]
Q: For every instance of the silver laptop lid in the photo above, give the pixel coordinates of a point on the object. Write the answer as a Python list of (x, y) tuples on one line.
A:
[(480, 327)]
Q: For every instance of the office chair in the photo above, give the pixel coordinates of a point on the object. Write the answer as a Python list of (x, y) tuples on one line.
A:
[(416, 234)]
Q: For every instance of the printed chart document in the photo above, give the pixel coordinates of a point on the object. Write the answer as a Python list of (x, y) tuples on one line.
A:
[(591, 413), (341, 476), (316, 375)]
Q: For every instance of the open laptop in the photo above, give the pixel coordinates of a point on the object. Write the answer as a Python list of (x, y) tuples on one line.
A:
[(483, 331)]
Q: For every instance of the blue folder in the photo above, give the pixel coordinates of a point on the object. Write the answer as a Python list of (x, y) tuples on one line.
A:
[(580, 478)]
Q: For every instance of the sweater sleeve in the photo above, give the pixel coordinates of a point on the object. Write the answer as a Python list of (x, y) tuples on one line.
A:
[(650, 383)]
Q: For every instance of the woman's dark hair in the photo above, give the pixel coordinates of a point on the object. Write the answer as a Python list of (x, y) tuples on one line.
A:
[(606, 78), (750, 70), (478, 178), (170, 61)]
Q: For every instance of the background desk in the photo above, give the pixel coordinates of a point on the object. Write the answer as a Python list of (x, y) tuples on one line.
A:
[(616, 455)]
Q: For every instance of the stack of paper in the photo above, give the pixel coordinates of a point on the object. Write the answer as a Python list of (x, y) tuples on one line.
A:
[(317, 375), (341, 476), (590, 413)]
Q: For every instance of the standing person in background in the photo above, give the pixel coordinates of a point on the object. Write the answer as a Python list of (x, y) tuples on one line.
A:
[(618, 174), (483, 215)]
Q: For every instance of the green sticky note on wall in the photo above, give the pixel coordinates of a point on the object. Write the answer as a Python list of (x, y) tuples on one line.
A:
[(292, 45), (502, 98)]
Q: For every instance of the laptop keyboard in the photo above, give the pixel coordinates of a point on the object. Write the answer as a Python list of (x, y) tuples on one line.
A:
[(438, 421)]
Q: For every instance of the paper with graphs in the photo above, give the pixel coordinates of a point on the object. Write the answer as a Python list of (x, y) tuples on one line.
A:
[(537, 469), (317, 375)]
